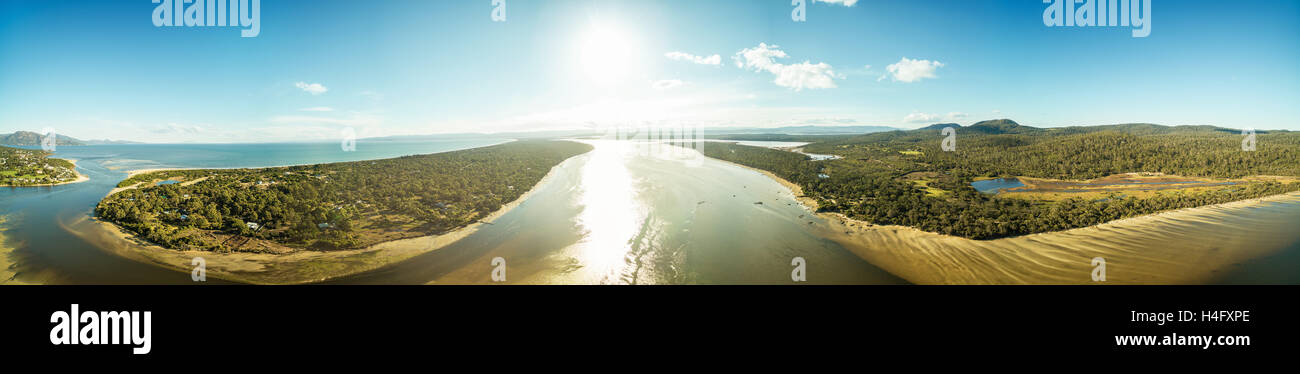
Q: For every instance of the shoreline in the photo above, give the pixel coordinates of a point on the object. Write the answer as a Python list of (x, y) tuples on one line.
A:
[(298, 267), (1184, 246), (795, 190), (80, 177), (811, 204), (135, 172), (1168, 247)]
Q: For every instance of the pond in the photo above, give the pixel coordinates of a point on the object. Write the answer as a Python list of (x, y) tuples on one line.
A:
[(993, 186)]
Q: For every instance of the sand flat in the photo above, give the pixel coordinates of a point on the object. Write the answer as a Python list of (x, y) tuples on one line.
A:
[(8, 273), (1185, 246)]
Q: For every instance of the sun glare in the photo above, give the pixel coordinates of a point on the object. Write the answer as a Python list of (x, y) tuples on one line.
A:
[(607, 54)]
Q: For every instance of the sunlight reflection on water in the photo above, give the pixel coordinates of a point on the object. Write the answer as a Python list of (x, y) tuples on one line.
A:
[(611, 213)]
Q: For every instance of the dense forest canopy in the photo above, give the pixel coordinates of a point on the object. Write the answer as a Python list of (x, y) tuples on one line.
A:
[(330, 206), (905, 178), (26, 167)]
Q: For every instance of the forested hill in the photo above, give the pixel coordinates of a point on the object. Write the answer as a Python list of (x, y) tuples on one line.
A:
[(31, 138), (1006, 148), (28, 138), (905, 178), (330, 206)]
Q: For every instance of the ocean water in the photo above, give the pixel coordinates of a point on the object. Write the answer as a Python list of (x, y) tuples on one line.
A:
[(149, 156)]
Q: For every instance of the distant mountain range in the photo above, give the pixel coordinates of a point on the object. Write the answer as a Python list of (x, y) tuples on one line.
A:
[(787, 133), (32, 138), (1006, 126)]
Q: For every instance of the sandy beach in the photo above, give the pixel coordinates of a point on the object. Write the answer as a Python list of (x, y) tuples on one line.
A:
[(302, 266), (132, 173), (1185, 246)]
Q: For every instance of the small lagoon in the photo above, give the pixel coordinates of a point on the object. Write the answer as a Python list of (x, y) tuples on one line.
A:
[(993, 186)]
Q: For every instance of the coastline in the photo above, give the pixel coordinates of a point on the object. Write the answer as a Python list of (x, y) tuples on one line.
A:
[(1183, 246), (795, 190), (80, 177), (302, 266)]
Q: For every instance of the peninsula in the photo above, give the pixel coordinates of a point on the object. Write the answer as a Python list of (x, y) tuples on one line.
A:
[(246, 220)]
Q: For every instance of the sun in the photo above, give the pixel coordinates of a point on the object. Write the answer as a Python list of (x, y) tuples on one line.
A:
[(607, 54)]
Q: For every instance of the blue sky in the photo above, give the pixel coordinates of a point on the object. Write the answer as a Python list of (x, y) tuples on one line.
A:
[(101, 69)]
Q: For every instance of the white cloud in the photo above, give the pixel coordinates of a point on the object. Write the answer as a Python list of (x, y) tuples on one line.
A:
[(840, 2), (173, 132), (908, 70), (177, 128), (806, 75), (666, 84), (796, 76), (317, 109), (311, 88), (918, 117), (683, 56)]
